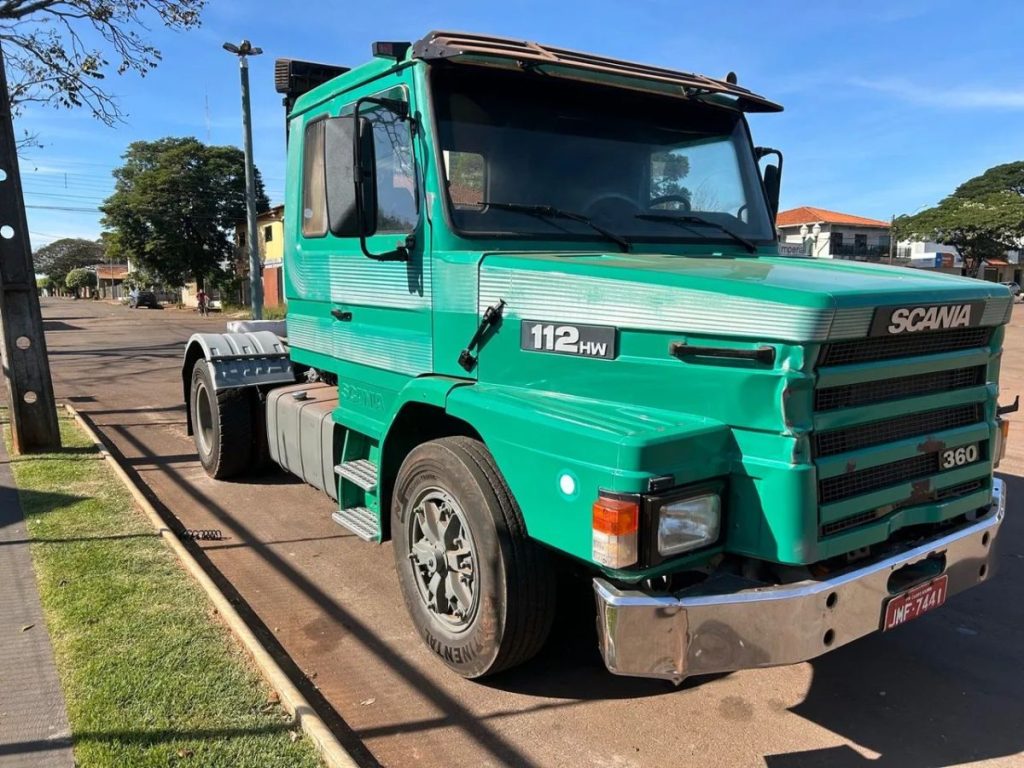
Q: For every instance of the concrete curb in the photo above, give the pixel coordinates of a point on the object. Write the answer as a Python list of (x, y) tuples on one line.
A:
[(330, 749)]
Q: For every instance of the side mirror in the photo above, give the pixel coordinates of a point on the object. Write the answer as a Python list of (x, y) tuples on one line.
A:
[(772, 177), (351, 180)]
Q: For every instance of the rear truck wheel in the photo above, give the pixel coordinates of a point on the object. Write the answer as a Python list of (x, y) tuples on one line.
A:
[(479, 592), (222, 425)]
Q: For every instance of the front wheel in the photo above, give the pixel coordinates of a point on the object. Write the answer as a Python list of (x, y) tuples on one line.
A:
[(480, 593)]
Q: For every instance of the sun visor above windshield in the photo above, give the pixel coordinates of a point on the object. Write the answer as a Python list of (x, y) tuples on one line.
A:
[(484, 50)]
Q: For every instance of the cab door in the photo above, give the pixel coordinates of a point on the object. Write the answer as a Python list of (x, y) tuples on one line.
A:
[(366, 319)]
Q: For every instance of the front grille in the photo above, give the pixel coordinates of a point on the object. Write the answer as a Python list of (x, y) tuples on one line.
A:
[(963, 489), (909, 345), (871, 515), (866, 480), (878, 432), (853, 521), (865, 393)]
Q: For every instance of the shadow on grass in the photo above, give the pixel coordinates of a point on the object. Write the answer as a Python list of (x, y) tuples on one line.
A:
[(13, 501), (142, 738), (81, 539)]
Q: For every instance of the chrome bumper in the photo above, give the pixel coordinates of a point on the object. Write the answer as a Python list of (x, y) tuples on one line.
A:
[(675, 637)]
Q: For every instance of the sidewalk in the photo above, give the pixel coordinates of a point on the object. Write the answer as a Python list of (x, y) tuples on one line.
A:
[(34, 727)]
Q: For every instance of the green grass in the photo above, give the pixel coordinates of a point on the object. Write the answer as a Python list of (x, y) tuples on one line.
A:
[(150, 674)]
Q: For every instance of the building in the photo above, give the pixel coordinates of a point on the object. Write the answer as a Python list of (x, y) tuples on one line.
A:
[(270, 229), (110, 281), (833, 235), (929, 255)]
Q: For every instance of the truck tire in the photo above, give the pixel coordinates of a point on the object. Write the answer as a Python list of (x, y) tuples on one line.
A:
[(222, 425), (480, 593)]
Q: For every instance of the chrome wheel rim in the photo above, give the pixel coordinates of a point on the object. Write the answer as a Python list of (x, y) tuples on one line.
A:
[(204, 418), (443, 559)]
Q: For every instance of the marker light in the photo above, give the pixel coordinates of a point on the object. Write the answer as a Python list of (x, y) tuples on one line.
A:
[(1002, 437), (615, 528)]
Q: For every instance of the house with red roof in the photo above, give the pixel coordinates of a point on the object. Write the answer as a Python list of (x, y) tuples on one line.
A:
[(834, 235)]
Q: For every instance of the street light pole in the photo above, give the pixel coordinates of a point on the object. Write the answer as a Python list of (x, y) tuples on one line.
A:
[(244, 51)]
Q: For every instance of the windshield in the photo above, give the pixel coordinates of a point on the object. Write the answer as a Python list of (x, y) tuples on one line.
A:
[(609, 155)]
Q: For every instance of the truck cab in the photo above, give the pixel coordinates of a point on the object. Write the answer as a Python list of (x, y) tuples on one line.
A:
[(537, 314)]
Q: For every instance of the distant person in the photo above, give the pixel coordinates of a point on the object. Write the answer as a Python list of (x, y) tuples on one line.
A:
[(202, 302)]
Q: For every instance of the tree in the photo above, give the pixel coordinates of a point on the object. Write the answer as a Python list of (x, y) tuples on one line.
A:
[(80, 278), (983, 218), (59, 52), (61, 256), (668, 169), (1008, 177), (175, 205)]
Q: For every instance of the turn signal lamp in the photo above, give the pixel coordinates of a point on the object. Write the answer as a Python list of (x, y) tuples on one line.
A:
[(615, 531), (1002, 438)]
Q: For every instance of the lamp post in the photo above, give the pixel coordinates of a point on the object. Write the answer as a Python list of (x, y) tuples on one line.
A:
[(243, 51)]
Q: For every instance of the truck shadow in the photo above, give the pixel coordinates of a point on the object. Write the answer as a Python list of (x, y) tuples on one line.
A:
[(570, 665), (943, 690)]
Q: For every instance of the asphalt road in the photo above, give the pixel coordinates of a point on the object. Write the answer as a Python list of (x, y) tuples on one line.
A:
[(943, 690)]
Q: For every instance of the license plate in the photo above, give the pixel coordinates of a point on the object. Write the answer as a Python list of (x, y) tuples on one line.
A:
[(912, 603)]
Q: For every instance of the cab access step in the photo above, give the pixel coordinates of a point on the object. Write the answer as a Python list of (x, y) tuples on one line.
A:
[(361, 520)]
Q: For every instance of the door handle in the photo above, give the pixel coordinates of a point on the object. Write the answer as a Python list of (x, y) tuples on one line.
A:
[(341, 314)]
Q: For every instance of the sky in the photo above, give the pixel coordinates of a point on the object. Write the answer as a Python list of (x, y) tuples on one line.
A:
[(888, 105)]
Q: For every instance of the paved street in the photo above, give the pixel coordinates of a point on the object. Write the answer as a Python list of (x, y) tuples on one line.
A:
[(944, 690)]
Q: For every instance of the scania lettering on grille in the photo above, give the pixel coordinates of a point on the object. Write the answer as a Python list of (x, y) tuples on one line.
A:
[(891, 321)]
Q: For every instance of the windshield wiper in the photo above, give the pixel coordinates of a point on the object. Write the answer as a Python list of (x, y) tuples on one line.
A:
[(689, 218), (550, 212)]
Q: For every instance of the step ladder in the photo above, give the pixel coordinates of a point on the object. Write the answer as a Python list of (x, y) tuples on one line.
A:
[(357, 495), (361, 472), (363, 522)]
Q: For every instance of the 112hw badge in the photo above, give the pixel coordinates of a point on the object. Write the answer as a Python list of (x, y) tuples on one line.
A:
[(598, 341)]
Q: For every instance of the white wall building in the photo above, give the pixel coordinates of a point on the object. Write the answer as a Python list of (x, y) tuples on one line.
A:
[(830, 234)]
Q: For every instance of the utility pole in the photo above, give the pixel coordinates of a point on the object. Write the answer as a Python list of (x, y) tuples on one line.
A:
[(244, 51), (26, 368), (892, 238)]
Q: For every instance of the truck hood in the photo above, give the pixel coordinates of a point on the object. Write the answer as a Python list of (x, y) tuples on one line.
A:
[(789, 298)]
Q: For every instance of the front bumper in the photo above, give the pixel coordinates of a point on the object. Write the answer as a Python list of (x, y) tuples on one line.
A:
[(675, 636)]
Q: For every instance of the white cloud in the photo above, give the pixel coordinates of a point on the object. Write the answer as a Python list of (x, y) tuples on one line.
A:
[(954, 97)]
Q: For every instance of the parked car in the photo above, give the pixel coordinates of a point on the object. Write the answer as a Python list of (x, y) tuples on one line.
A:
[(1014, 288), (144, 299)]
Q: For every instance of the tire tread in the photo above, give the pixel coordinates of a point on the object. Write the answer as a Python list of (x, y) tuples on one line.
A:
[(531, 610), (234, 427)]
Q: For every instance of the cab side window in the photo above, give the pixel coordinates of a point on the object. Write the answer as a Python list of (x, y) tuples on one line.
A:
[(314, 194)]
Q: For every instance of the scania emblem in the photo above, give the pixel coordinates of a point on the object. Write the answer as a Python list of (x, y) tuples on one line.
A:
[(891, 321)]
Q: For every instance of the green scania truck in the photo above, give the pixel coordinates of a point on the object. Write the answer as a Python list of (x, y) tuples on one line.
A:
[(537, 315)]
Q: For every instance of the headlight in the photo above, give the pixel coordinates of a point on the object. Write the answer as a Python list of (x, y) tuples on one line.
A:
[(687, 524)]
